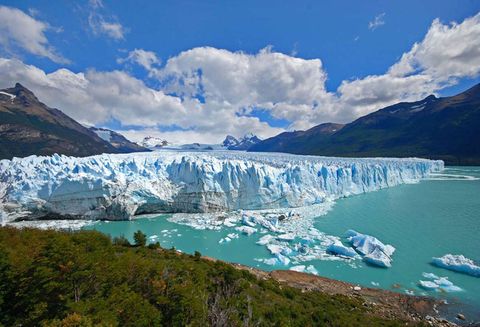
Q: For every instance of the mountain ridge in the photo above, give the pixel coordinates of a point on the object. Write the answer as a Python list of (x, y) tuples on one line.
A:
[(28, 127), (446, 128)]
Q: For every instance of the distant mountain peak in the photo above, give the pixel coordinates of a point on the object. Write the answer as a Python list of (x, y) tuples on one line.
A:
[(151, 142), (230, 141), (244, 143)]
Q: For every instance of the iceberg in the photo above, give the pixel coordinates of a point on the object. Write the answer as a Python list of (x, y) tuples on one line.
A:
[(246, 230), (374, 252), (378, 258), (299, 268), (264, 240), (440, 283), (457, 263), (120, 186), (338, 248), (428, 285)]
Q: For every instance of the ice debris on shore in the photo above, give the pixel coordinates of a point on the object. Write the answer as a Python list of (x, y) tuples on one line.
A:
[(373, 251), (458, 263)]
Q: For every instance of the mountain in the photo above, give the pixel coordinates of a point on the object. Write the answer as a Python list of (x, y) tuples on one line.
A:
[(151, 142), (27, 126), (244, 143), (439, 128), (118, 141), (291, 141)]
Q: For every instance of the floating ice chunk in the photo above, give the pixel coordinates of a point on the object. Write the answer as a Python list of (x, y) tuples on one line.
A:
[(300, 268), (279, 259), (153, 237), (271, 261), (430, 275), (232, 235), (283, 259), (443, 281), (286, 237), (246, 230), (225, 239), (440, 283), (365, 244), (457, 263), (374, 251), (274, 248), (379, 258), (230, 222), (264, 240), (311, 270), (375, 284), (428, 285), (248, 221), (338, 248), (279, 249)]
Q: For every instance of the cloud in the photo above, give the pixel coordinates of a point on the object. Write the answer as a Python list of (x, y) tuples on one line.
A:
[(94, 98), (21, 31), (207, 93), (378, 21), (100, 25), (447, 51), (146, 59)]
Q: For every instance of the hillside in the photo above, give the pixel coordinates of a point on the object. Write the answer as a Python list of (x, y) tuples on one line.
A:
[(83, 279), (118, 141), (27, 126), (436, 128)]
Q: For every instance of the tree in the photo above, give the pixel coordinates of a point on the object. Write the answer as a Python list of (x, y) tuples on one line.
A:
[(139, 238)]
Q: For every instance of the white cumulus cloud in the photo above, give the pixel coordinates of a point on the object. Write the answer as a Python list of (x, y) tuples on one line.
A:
[(18, 30)]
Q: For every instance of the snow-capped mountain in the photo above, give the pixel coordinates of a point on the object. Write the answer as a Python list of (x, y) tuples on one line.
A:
[(117, 140), (118, 186), (152, 142), (244, 143)]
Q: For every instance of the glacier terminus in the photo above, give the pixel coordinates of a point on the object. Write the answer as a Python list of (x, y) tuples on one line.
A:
[(120, 186)]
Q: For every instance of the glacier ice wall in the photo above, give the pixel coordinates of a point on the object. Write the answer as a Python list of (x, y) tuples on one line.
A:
[(118, 186)]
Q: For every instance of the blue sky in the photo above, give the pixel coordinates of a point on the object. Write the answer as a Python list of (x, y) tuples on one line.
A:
[(352, 39)]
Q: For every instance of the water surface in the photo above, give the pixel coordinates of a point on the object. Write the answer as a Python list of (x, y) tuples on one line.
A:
[(424, 220)]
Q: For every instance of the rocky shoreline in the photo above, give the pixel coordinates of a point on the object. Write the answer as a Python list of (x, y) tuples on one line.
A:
[(382, 303)]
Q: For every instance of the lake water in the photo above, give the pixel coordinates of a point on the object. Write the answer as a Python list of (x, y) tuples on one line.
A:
[(424, 220)]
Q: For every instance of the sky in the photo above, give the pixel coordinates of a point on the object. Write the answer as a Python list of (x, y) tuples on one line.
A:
[(195, 71)]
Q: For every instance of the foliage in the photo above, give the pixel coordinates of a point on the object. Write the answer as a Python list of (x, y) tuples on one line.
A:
[(83, 279), (139, 238)]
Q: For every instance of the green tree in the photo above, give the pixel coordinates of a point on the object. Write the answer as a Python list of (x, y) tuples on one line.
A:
[(139, 238)]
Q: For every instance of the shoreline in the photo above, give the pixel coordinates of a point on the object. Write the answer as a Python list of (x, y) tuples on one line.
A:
[(383, 303)]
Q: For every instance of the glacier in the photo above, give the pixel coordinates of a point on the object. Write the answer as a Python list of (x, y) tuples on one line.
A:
[(120, 186)]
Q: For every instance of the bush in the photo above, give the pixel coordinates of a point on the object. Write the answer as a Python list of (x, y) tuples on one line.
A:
[(139, 238), (121, 240)]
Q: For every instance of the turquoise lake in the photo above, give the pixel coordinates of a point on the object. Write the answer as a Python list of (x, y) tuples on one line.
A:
[(424, 220)]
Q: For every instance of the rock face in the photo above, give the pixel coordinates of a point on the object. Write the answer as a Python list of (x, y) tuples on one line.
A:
[(438, 128), (119, 186), (27, 126), (117, 140)]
